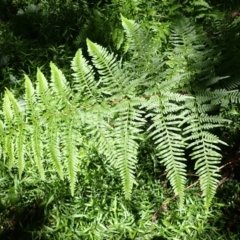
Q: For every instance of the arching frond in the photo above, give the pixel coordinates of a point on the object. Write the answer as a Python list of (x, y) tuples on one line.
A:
[(71, 153), (53, 136), (204, 146), (131, 29), (126, 129), (58, 81), (111, 76), (84, 80), (167, 137)]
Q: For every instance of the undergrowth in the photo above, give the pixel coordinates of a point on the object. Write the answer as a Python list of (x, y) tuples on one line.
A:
[(184, 51), (32, 209)]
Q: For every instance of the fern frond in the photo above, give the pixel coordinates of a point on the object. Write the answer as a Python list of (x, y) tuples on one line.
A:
[(201, 3), (228, 97), (37, 148), (170, 144), (2, 139), (126, 129), (100, 126), (84, 81), (17, 142), (111, 76), (118, 38), (29, 94), (58, 82), (53, 146), (106, 105), (20, 149), (189, 56), (7, 110), (204, 147), (211, 81), (131, 29), (71, 153), (8, 147), (15, 107), (42, 86)]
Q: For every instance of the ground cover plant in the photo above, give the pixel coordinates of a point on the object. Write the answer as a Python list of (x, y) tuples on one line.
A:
[(131, 142)]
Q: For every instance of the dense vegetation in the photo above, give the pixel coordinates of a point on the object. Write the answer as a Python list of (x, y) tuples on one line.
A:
[(133, 130)]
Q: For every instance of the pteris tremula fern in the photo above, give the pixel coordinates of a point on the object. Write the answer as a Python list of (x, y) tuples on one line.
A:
[(109, 110)]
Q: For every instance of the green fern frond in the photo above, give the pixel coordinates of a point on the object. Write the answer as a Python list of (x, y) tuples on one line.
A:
[(15, 107), (7, 110), (111, 76), (58, 82), (231, 97), (71, 154), (201, 3), (183, 32), (29, 94), (20, 148), (8, 148), (118, 38), (117, 138), (37, 148), (126, 129), (188, 56), (101, 127), (232, 83), (204, 147), (15, 140), (84, 81), (42, 85), (205, 151), (212, 81), (170, 144), (1, 138), (106, 106), (131, 29), (53, 146)]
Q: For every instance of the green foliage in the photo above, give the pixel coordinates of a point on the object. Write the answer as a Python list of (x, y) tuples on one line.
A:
[(118, 120), (36, 32), (34, 209), (110, 110)]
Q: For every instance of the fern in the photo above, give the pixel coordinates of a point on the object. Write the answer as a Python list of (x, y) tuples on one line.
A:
[(37, 148), (53, 146), (172, 94), (111, 76), (126, 129), (71, 153), (84, 80), (8, 120), (201, 3), (166, 134), (132, 30), (204, 144)]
